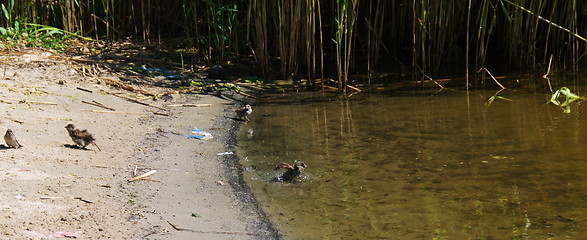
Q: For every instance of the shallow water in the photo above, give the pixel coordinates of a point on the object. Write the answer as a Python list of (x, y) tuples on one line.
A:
[(420, 166)]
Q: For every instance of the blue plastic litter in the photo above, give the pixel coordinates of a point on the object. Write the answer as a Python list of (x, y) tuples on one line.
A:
[(199, 134)]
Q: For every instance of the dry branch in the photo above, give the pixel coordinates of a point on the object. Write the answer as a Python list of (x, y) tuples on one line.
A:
[(160, 113), (37, 102), (137, 101), (248, 95), (354, 88), (548, 71), (143, 176), (51, 197), (190, 105), (135, 113), (83, 89), (83, 200), (209, 232), (148, 179), (8, 100), (97, 104), (493, 78), (117, 83)]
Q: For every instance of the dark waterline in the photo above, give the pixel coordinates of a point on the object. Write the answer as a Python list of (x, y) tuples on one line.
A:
[(420, 166)]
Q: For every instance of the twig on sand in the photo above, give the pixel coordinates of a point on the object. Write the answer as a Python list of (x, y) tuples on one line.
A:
[(6, 100), (83, 89), (136, 101), (159, 113), (190, 105), (83, 200), (37, 102), (99, 111), (209, 232), (127, 87), (98, 166), (148, 179), (97, 104), (51, 197), (143, 176), (34, 102)]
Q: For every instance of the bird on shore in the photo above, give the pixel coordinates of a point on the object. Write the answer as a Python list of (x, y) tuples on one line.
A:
[(81, 138), (292, 171), (10, 139), (243, 112)]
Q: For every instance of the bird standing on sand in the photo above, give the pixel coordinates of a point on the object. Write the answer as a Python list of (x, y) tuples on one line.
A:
[(243, 112), (81, 138), (292, 171), (10, 139)]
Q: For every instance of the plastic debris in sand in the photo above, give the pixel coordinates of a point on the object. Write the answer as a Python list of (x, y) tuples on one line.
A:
[(199, 134)]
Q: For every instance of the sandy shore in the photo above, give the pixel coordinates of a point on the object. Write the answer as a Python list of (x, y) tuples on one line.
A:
[(52, 189)]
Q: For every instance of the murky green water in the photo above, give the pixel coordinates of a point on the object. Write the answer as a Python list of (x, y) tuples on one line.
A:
[(421, 166)]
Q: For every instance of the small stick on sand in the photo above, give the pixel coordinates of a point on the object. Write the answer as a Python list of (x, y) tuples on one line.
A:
[(142, 176), (137, 101), (158, 113), (37, 102), (98, 166), (97, 104), (127, 87), (50, 197), (83, 89), (209, 232), (98, 111), (102, 105), (189, 105), (83, 200), (152, 180)]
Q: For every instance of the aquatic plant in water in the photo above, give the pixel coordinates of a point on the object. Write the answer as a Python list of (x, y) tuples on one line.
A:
[(569, 98)]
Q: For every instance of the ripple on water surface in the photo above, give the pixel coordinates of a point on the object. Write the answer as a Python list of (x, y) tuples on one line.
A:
[(420, 167)]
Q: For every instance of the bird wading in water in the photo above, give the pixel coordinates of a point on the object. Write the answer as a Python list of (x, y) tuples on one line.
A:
[(291, 171), (243, 112)]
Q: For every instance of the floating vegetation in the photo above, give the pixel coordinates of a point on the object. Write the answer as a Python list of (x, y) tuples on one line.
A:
[(569, 98), (493, 98)]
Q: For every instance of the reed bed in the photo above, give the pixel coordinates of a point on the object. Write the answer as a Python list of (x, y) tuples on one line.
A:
[(313, 39)]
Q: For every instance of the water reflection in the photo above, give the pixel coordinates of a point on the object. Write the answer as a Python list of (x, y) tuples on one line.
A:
[(418, 167)]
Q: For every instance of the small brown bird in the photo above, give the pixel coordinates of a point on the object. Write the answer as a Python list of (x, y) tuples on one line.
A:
[(10, 139), (243, 112), (292, 171), (81, 138)]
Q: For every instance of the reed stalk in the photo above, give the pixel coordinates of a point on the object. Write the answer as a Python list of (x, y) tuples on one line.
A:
[(311, 38)]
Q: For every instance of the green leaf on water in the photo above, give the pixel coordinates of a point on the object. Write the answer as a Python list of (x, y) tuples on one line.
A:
[(493, 98), (569, 98)]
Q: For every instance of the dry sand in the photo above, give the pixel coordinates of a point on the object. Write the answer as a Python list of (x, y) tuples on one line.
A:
[(52, 189)]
